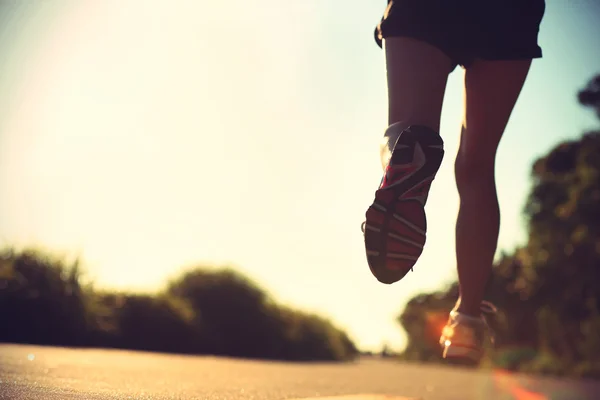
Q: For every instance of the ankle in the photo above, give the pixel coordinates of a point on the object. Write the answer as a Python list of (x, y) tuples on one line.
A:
[(471, 312)]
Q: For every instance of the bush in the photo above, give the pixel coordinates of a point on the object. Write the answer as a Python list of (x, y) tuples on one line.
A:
[(545, 364), (243, 321), (236, 312), (548, 291), (152, 323), (41, 300), (307, 337), (218, 312)]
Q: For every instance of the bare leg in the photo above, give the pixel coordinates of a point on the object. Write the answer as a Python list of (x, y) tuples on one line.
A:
[(395, 224), (416, 74), (491, 91)]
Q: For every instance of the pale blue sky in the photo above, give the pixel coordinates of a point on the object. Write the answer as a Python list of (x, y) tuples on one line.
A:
[(150, 135)]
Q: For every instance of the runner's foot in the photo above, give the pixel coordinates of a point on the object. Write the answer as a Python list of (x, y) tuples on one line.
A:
[(462, 338)]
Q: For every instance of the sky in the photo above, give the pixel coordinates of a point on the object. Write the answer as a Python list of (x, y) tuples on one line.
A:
[(149, 137)]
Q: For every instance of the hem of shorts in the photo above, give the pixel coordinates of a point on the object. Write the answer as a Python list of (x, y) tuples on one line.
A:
[(512, 56), (421, 38)]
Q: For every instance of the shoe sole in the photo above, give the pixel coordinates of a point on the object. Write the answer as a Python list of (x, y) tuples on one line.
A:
[(396, 224), (464, 356)]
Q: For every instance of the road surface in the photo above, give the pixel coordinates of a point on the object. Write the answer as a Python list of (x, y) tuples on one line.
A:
[(49, 373)]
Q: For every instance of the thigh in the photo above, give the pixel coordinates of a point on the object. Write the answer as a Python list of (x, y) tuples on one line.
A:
[(417, 73), (491, 92)]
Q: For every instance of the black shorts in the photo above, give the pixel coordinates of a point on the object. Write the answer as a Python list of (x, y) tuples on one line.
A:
[(468, 29)]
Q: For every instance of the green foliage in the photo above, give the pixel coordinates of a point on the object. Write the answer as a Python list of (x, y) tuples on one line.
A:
[(561, 263), (235, 310), (563, 210), (547, 292), (202, 312), (154, 323), (590, 96), (302, 334), (243, 321), (41, 299)]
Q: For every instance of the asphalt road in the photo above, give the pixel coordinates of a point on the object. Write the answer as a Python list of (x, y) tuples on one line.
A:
[(47, 373)]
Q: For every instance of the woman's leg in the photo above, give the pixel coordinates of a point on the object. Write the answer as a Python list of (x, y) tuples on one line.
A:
[(411, 154), (417, 73), (491, 91)]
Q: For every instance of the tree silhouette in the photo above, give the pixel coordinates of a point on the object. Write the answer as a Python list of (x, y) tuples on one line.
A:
[(548, 292)]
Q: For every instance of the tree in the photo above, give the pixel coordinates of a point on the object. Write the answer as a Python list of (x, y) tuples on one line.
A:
[(562, 257), (590, 96), (548, 292)]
